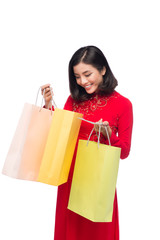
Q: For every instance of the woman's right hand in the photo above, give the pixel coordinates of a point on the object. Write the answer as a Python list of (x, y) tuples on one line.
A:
[(47, 95)]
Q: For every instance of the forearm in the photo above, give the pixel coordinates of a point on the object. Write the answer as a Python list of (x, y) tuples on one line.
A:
[(124, 144)]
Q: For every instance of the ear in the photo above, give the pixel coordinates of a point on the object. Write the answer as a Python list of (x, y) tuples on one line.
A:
[(103, 71)]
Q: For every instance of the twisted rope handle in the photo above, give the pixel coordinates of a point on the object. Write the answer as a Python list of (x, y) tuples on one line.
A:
[(37, 97), (100, 125), (52, 100)]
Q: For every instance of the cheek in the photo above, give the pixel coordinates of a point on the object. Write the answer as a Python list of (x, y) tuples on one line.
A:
[(95, 79), (100, 79), (92, 79), (78, 81)]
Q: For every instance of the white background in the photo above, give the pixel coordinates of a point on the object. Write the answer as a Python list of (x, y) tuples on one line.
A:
[(37, 40)]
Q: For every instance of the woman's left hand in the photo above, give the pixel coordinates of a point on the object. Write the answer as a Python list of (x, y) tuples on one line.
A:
[(103, 130)]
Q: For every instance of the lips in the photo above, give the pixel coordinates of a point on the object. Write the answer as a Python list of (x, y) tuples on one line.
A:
[(88, 86)]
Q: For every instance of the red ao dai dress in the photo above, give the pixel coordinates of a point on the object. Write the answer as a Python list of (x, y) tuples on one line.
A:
[(117, 110)]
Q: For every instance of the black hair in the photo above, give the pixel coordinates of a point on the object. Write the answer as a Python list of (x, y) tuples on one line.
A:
[(93, 56)]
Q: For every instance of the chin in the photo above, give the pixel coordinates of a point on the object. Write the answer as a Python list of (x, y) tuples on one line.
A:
[(91, 91)]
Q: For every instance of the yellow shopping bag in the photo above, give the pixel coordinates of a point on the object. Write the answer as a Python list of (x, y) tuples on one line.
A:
[(94, 181), (60, 147)]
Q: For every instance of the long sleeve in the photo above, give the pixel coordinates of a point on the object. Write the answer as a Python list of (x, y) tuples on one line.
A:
[(125, 123), (120, 107), (69, 104)]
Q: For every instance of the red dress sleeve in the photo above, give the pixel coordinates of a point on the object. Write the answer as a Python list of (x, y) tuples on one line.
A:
[(69, 104), (49, 108), (125, 124)]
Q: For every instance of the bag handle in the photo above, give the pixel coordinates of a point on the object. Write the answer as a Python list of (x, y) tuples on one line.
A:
[(100, 125), (52, 100)]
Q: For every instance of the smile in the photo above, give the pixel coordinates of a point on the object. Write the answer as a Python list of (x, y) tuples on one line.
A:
[(88, 86)]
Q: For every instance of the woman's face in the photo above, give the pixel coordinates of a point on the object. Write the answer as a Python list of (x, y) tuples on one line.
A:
[(88, 76)]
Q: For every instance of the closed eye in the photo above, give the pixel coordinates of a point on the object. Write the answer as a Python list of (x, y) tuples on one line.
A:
[(88, 75)]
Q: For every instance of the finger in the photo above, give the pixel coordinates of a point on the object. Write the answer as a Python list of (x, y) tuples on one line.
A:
[(105, 124), (47, 99), (48, 92), (96, 127), (45, 87), (100, 121)]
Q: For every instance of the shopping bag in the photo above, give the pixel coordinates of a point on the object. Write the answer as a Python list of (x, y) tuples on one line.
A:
[(26, 150), (60, 147), (94, 181)]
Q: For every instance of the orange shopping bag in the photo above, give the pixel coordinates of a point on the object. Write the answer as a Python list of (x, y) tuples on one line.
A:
[(26, 150)]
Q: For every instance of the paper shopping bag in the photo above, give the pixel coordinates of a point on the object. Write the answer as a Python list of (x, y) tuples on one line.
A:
[(94, 181), (60, 147), (25, 153)]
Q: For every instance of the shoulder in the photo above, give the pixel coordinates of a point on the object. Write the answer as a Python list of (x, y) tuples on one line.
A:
[(69, 99), (69, 103), (122, 102), (121, 99)]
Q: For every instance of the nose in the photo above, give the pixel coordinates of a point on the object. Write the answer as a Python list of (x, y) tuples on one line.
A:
[(83, 80)]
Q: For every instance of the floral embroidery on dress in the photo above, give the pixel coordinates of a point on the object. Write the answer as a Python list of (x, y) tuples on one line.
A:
[(90, 106), (93, 107), (114, 125)]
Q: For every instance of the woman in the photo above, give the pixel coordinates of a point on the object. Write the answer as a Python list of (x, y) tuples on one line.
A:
[(92, 88)]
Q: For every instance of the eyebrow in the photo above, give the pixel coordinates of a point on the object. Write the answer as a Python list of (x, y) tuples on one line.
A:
[(82, 73)]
